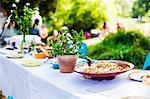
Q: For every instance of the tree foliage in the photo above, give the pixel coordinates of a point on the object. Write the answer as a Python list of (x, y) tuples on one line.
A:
[(45, 6), (141, 8), (77, 14)]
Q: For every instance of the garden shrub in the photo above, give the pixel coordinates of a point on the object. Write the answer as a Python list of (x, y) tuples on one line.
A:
[(129, 46)]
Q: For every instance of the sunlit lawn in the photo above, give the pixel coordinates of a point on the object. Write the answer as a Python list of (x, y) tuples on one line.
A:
[(131, 24)]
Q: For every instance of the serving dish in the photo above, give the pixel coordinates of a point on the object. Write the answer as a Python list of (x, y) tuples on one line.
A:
[(82, 67)]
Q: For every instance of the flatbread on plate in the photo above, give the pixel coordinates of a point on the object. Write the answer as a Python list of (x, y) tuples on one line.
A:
[(31, 63)]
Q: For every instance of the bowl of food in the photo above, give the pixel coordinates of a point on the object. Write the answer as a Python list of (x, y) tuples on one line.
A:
[(40, 55), (103, 69)]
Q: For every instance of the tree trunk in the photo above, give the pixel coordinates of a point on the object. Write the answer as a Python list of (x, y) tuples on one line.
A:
[(0, 6), (140, 18)]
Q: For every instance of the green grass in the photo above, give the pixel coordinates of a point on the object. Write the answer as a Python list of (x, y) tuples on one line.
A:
[(129, 46)]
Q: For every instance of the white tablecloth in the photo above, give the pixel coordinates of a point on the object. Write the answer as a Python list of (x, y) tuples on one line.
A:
[(44, 82)]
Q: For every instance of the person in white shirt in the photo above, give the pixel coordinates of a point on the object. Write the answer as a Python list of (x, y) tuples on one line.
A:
[(36, 23)]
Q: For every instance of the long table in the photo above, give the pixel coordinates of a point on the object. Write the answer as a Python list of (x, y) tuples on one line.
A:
[(44, 82)]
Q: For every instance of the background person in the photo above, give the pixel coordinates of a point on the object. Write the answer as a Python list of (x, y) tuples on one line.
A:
[(9, 33), (43, 32), (36, 15), (36, 23), (105, 30), (120, 26), (35, 28), (55, 33), (11, 30)]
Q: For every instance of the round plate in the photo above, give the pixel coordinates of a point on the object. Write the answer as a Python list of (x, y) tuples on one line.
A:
[(15, 55), (31, 63), (139, 75), (104, 76), (136, 97)]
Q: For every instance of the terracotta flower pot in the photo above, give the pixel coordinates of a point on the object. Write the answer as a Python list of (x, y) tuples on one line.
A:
[(67, 63)]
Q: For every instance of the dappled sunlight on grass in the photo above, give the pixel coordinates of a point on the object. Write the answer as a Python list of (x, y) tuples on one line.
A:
[(130, 24)]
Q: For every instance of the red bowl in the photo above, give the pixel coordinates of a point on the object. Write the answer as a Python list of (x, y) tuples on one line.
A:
[(104, 76)]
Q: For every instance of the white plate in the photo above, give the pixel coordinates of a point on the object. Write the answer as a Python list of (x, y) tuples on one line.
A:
[(31, 63), (15, 55), (139, 75), (4, 51), (136, 97)]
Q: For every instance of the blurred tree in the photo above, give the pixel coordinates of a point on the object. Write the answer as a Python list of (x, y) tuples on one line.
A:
[(140, 8), (45, 6), (77, 14), (124, 7), (0, 5)]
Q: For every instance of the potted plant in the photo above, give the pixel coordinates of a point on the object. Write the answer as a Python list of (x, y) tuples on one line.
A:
[(66, 49)]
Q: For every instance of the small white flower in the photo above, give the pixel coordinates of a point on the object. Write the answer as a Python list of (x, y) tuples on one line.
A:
[(70, 46), (27, 4), (14, 5), (11, 11), (17, 0), (37, 8), (71, 52), (68, 38), (68, 35)]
